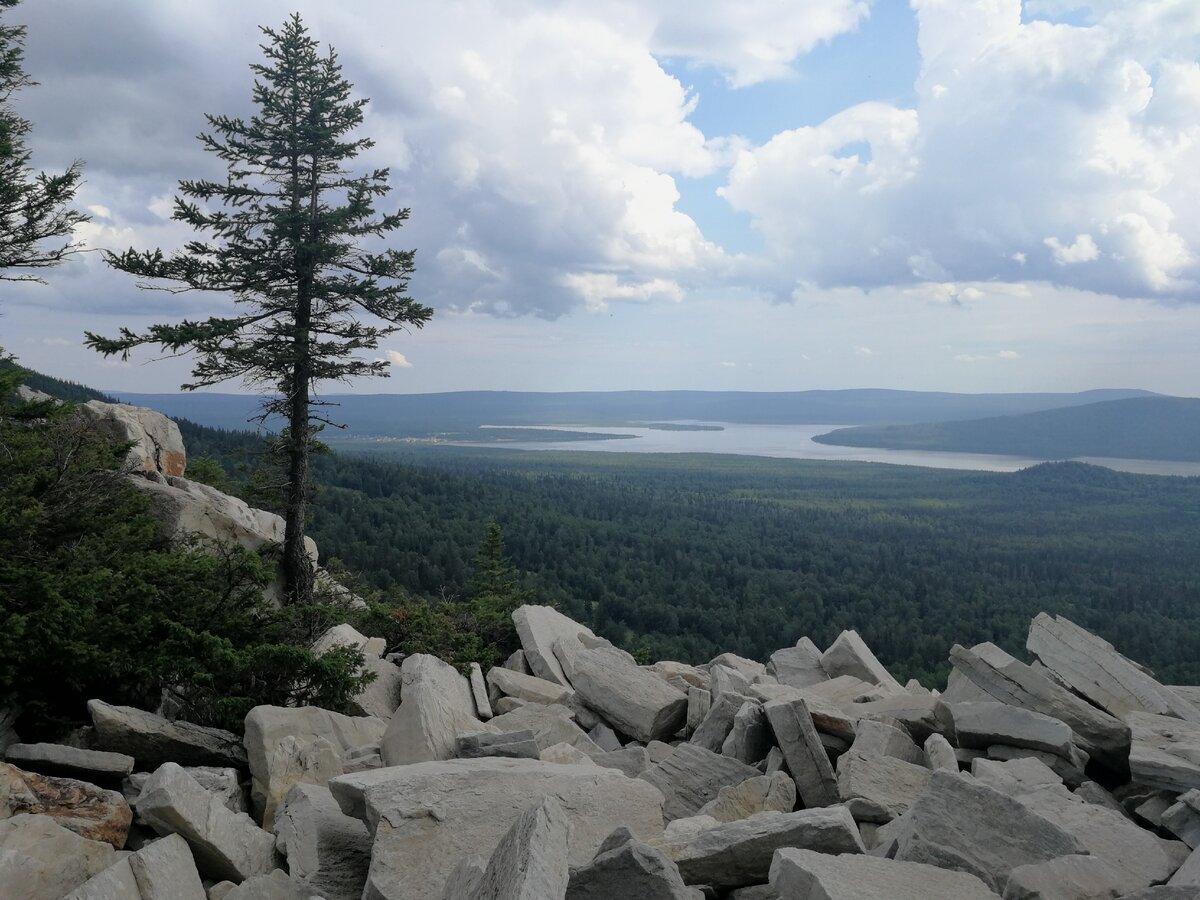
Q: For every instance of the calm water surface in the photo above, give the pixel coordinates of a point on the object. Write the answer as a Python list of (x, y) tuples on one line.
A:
[(796, 442)]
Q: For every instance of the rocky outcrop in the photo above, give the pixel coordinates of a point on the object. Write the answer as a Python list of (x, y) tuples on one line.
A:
[(770, 791), (157, 445)]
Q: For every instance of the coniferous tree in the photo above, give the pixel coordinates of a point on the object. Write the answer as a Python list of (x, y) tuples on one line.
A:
[(36, 222), (286, 237)]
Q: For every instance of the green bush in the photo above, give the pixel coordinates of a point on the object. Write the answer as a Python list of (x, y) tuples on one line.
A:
[(95, 602)]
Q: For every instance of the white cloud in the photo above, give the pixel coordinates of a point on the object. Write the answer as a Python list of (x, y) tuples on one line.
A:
[(1022, 129), (397, 359), (1082, 250), (863, 351), (729, 365), (984, 357)]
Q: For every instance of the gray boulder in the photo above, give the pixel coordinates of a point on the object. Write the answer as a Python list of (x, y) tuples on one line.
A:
[(808, 875), (95, 766), (849, 655), (632, 760), (328, 852), (632, 700), (958, 824), (798, 666), (41, 860), (890, 786), (939, 754), (436, 706), (692, 776), (1165, 753), (880, 737), (1095, 669), (806, 759), (479, 693), (165, 870), (550, 725), (1135, 856), (979, 725), (999, 676), (735, 854), (527, 687), (426, 817), (1182, 818), (765, 793), (152, 740), (224, 782), (530, 862), (225, 845), (114, 883), (628, 869), (300, 745), (1188, 875), (274, 885), (699, 703), (540, 628), (465, 878), (1065, 878), (715, 727), (751, 738), (157, 445), (514, 745)]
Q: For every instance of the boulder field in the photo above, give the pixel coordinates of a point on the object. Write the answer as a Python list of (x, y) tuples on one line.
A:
[(571, 772)]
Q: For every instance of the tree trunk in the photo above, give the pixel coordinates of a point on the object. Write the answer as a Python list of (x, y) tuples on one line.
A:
[(297, 567)]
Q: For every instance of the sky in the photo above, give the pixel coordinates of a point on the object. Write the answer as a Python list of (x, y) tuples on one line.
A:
[(961, 195)]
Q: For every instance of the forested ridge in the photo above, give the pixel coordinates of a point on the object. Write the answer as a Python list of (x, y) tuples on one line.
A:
[(686, 556)]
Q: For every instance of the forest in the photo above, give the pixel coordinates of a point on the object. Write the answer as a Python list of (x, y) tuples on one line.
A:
[(685, 556)]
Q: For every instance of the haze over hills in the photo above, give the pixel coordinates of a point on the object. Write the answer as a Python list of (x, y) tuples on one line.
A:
[(420, 415), (1163, 428)]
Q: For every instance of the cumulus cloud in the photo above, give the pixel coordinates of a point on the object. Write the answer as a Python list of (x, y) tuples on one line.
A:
[(1082, 250), (1025, 134), (397, 359)]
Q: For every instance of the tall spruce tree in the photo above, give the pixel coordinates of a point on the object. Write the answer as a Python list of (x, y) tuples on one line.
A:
[(36, 221), (286, 238)]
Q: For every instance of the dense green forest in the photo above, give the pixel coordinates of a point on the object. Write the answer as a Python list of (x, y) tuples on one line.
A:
[(1133, 428), (685, 556)]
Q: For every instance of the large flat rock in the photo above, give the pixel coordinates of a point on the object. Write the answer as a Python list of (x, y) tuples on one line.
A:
[(1094, 668), (692, 776), (979, 725), (426, 817), (540, 628), (1135, 856), (1165, 752), (96, 766), (798, 666), (739, 853), (627, 869), (808, 875), (888, 786), (152, 740), (436, 706), (961, 825), (635, 702), (1001, 677)]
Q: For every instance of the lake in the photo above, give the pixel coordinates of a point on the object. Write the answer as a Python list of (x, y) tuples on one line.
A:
[(796, 442)]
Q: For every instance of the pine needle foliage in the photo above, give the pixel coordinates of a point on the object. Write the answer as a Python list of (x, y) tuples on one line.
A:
[(294, 238)]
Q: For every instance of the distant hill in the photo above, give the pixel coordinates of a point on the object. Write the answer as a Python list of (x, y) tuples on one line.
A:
[(1152, 427), (56, 387), (416, 415)]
